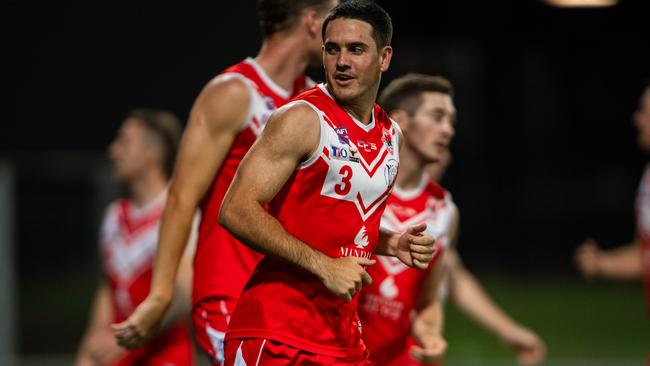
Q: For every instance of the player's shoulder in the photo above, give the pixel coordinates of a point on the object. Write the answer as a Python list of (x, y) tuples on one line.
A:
[(228, 85), (299, 113), (436, 190)]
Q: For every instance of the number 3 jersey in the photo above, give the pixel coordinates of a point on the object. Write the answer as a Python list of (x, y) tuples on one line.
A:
[(332, 202)]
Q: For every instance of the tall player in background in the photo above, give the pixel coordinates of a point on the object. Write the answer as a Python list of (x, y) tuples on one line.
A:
[(400, 311), (225, 121), (142, 154), (632, 260), (325, 165)]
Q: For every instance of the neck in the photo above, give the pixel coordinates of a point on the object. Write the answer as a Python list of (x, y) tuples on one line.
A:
[(361, 107), (146, 187), (281, 61), (411, 168)]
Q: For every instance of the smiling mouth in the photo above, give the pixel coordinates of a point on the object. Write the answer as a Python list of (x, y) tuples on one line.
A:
[(343, 79)]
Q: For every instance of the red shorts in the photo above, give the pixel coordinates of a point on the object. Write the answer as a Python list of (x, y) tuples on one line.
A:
[(211, 317), (256, 351)]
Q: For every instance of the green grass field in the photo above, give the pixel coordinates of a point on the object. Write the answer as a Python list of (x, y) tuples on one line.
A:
[(590, 323), (582, 322)]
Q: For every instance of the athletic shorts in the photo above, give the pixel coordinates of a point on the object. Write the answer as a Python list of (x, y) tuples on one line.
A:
[(211, 317), (256, 351)]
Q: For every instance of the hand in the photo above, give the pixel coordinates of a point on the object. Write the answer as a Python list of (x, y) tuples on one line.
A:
[(588, 257), (530, 349), (135, 331), (414, 248), (432, 346), (100, 349), (345, 276), (432, 349)]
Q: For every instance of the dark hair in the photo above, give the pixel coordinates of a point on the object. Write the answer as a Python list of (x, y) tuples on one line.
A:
[(280, 15), (166, 127), (405, 92), (366, 11)]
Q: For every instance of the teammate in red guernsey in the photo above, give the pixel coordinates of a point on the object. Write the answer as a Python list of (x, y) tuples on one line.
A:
[(325, 165), (632, 260), (401, 301), (225, 121), (142, 154)]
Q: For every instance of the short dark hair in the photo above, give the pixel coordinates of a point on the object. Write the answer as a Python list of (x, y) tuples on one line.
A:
[(405, 92), (366, 11), (280, 15), (166, 127)]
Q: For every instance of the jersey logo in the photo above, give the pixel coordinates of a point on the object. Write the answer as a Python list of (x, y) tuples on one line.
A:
[(388, 288), (361, 240), (342, 133), (366, 146)]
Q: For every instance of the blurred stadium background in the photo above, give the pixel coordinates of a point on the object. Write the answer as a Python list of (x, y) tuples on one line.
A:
[(544, 155)]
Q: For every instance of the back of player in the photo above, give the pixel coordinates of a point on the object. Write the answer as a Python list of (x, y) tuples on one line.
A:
[(387, 306), (222, 265), (333, 202)]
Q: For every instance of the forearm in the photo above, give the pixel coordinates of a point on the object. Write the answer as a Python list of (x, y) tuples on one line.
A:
[(387, 243), (472, 299), (101, 314), (253, 226), (174, 233), (621, 263)]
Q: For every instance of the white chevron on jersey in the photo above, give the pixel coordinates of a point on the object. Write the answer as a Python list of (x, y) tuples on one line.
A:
[(364, 181)]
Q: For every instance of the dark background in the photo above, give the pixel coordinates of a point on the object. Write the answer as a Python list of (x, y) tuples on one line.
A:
[(545, 152)]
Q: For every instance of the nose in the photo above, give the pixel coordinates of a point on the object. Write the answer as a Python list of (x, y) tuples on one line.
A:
[(342, 61), (448, 128)]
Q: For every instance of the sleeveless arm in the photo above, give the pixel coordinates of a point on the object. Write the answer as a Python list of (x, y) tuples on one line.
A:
[(291, 135), (215, 119)]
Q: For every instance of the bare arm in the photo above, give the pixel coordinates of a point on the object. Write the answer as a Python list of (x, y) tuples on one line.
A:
[(216, 117), (620, 263), (472, 299), (291, 135), (97, 345)]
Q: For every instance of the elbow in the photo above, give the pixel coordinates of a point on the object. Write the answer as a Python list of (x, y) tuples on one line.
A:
[(227, 215)]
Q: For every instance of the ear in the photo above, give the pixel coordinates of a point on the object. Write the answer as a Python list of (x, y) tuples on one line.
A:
[(401, 117), (384, 58), (312, 22)]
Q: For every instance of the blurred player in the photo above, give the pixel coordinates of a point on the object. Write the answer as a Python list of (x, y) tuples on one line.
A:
[(470, 297), (225, 121), (142, 154), (402, 301), (631, 260), (325, 165)]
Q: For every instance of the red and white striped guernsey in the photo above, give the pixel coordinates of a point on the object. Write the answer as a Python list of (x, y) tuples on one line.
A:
[(333, 202), (643, 228), (222, 264), (387, 306), (128, 241)]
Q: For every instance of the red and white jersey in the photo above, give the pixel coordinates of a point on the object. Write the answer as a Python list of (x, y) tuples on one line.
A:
[(222, 264), (128, 241), (333, 202), (643, 227), (129, 237), (387, 306)]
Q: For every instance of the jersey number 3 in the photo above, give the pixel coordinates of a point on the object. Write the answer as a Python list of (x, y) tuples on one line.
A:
[(343, 188)]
